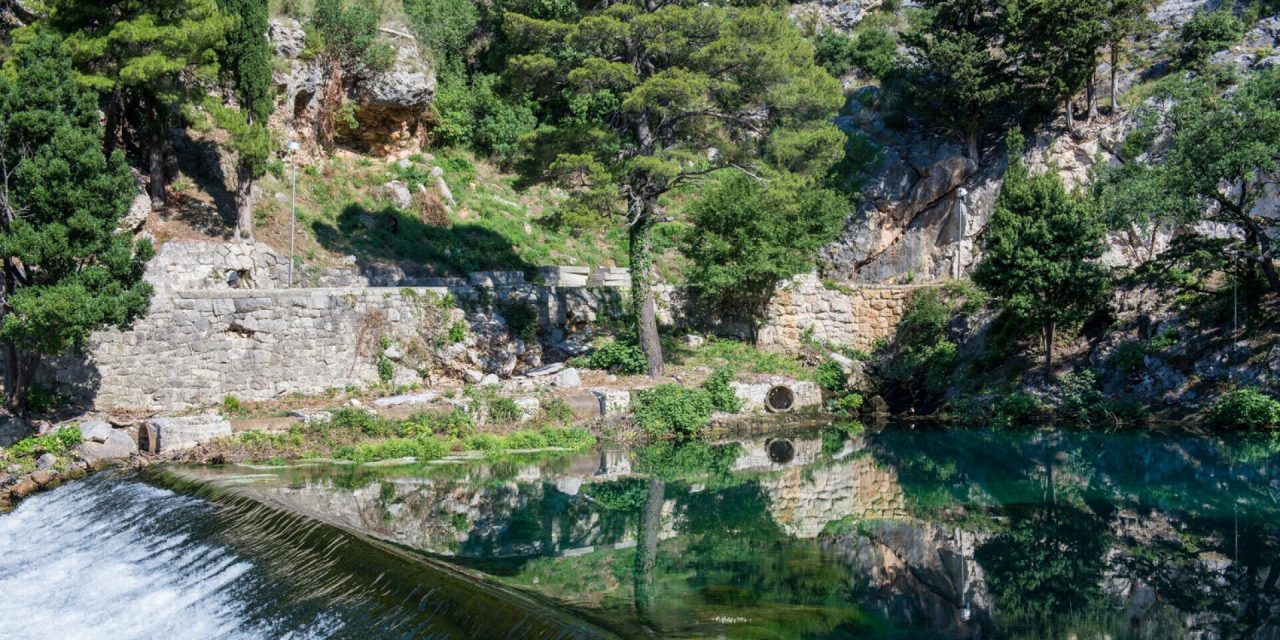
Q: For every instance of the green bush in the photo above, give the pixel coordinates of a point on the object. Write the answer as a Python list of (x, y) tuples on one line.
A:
[(457, 332), (526, 439), (619, 357), (231, 405), (671, 409), (1245, 408), (521, 317), (575, 438), (849, 404), (721, 393), (1127, 357), (503, 410), (359, 420), (56, 442), (386, 369), (557, 410), (1015, 410), (41, 399), (452, 424), (421, 448), (830, 376), (1081, 400), (1208, 32), (484, 442)]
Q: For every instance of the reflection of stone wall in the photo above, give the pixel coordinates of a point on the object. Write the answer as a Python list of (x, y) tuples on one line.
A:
[(804, 499)]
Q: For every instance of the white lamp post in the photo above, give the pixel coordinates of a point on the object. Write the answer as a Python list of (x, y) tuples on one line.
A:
[(293, 206)]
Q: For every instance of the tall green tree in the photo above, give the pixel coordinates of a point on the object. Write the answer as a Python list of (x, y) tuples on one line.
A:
[(748, 237), (1056, 45), (246, 60), (1126, 21), (1040, 251), (961, 78), (67, 270), (146, 59), (663, 94)]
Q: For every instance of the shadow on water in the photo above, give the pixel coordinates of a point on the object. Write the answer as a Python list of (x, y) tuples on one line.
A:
[(901, 533), (390, 234)]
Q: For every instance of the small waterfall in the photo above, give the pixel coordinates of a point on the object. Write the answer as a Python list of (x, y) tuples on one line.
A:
[(115, 557)]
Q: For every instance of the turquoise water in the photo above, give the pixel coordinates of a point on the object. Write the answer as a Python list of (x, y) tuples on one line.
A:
[(897, 533)]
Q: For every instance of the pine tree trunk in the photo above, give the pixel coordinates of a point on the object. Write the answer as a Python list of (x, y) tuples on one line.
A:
[(155, 169), (19, 372), (1049, 330), (244, 201), (1071, 119), (647, 548), (1091, 96), (1115, 60), (642, 286)]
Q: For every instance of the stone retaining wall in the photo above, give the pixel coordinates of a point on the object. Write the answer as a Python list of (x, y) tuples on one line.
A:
[(204, 340), (838, 314)]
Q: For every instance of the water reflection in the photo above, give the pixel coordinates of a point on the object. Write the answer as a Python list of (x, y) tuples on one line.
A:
[(819, 534)]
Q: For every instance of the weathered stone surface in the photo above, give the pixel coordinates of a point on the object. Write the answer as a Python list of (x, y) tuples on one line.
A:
[(545, 370), (137, 214), (46, 461), (613, 402), (23, 488), (397, 193), (167, 435), (95, 430), (807, 395), (42, 477), (287, 37), (117, 447), (568, 379), (12, 429), (425, 397)]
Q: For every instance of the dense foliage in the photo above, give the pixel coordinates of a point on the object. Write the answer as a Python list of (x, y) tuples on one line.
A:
[(68, 271), (1041, 251)]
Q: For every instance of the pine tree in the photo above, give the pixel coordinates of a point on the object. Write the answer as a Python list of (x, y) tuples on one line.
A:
[(961, 79), (1126, 20), (142, 57), (67, 270), (663, 94), (1056, 45), (1040, 251), (247, 61)]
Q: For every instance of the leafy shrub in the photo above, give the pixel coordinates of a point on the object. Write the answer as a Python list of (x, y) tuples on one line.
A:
[(625, 494), (1081, 400), (875, 51), (721, 394), (453, 424), (359, 420), (521, 317), (830, 376), (231, 405), (619, 357), (575, 438), (673, 409), (526, 439), (55, 442), (922, 357), (1127, 357), (849, 404), (484, 442), (1017, 409), (1245, 408), (421, 448), (503, 410), (1208, 32), (557, 410), (349, 32), (386, 368), (41, 399), (457, 332)]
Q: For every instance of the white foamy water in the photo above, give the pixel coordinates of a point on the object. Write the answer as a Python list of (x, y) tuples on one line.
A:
[(115, 558)]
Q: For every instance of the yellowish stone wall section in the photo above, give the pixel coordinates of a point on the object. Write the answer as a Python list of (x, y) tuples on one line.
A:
[(852, 315)]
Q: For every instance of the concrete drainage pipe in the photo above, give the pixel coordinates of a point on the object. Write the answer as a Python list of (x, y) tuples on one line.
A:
[(781, 451), (780, 399)]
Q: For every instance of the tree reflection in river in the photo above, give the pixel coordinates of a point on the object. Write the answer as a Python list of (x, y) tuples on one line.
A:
[(900, 533)]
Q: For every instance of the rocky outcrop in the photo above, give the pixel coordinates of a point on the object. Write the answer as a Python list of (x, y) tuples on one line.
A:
[(388, 107), (923, 204)]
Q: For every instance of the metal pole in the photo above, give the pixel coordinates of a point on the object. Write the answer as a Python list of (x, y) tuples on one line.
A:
[(293, 207)]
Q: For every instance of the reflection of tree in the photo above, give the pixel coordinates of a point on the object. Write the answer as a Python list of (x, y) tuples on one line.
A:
[(647, 550)]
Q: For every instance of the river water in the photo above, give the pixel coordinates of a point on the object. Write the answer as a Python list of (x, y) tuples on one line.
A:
[(898, 533)]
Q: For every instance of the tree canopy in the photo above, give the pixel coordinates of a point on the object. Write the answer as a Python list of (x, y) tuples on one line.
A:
[(656, 95), (1041, 251), (67, 270)]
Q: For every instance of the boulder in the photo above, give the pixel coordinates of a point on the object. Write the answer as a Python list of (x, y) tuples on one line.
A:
[(12, 429), (167, 435), (95, 430), (46, 461), (23, 488), (397, 193), (568, 379), (117, 447), (43, 477)]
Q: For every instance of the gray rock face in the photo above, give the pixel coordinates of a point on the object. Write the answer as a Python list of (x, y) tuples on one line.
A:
[(117, 447), (426, 397), (408, 83), (287, 37), (137, 214), (45, 461), (167, 435), (12, 429)]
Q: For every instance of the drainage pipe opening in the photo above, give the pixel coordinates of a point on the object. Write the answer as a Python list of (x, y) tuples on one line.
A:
[(780, 399)]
